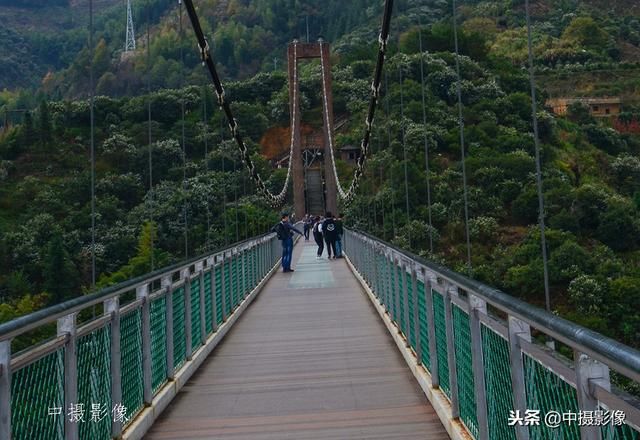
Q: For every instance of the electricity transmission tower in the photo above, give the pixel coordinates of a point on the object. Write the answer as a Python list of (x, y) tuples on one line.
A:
[(130, 44)]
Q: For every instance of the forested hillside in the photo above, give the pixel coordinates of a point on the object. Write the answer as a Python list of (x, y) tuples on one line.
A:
[(591, 170)]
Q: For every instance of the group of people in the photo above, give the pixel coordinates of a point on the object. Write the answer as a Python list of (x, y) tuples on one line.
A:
[(327, 229)]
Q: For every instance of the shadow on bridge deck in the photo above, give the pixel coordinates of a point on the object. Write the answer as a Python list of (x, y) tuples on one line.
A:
[(310, 359)]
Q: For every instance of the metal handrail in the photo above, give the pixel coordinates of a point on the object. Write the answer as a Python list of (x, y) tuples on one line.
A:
[(624, 359), (24, 324)]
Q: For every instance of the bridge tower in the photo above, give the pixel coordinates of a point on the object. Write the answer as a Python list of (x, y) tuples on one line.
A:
[(130, 43), (297, 51)]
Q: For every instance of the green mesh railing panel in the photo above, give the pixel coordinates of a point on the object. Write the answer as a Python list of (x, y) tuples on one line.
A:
[(196, 338), (34, 390), (158, 343), (393, 291), (94, 383), (441, 342), (411, 323), (400, 312), (218, 287), (548, 392), (424, 324), (179, 337), (131, 362), (208, 303), (235, 286), (227, 286), (497, 377), (623, 432), (245, 276), (464, 369)]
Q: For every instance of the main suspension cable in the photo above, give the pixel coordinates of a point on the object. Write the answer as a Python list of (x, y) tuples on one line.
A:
[(383, 39), (536, 138), (205, 54)]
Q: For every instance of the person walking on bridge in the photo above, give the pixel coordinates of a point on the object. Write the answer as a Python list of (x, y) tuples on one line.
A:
[(317, 236), (308, 224), (339, 232), (285, 231), (329, 230)]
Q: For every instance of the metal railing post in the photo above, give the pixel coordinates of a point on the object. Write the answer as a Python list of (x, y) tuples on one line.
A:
[(211, 267), (167, 285), (396, 291), (185, 275), (478, 307), (430, 281), (416, 315), (518, 329), (590, 372), (112, 307), (142, 293), (5, 389), (67, 327), (203, 315), (451, 350)]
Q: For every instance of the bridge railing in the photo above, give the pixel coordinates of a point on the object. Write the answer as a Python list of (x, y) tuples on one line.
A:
[(98, 374), (480, 348)]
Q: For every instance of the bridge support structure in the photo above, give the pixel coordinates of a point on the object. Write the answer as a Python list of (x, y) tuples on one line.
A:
[(295, 52)]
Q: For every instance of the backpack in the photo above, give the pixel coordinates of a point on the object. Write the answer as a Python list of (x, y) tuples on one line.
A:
[(315, 228), (281, 232)]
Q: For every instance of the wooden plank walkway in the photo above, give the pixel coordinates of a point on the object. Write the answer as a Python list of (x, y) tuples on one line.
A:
[(309, 359)]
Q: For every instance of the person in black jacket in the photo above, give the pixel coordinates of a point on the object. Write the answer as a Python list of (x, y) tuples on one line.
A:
[(329, 230), (285, 231)]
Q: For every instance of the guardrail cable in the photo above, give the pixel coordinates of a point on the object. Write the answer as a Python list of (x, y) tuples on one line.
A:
[(183, 137), (92, 153), (404, 155), (461, 129), (536, 139), (426, 138), (149, 138)]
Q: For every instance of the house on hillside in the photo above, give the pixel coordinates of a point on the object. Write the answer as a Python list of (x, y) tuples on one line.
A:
[(350, 153), (599, 107)]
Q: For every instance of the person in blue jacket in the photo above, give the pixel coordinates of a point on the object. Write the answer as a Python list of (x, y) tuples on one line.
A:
[(285, 231)]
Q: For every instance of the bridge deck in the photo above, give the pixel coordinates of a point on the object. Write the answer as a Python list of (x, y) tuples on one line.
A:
[(309, 359)]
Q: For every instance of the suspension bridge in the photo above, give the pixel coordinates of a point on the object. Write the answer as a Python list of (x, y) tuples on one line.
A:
[(382, 344)]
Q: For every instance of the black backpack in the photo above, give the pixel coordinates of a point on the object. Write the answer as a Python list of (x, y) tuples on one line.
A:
[(281, 231)]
